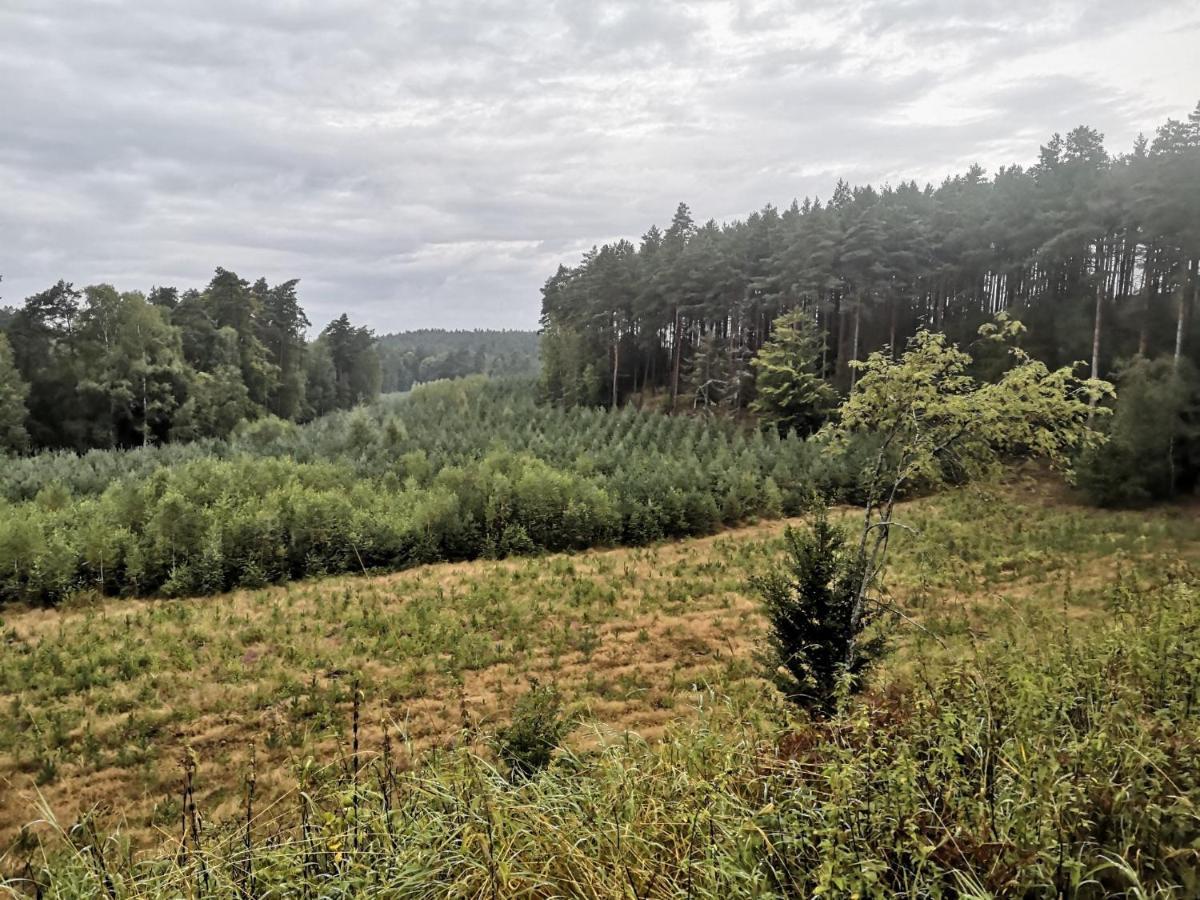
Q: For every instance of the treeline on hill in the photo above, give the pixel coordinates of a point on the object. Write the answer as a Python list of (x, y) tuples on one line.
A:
[(1098, 255), (102, 368), (454, 470), (431, 354)]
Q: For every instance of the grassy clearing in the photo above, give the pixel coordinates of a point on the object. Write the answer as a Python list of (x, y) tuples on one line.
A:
[(100, 704)]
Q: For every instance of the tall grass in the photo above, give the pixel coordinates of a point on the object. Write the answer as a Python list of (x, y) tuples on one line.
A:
[(1050, 761)]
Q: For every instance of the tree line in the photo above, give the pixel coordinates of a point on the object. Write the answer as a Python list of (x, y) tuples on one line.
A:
[(1097, 253), (99, 368), (409, 358)]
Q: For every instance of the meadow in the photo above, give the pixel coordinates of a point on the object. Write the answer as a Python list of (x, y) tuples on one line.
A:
[(1046, 672)]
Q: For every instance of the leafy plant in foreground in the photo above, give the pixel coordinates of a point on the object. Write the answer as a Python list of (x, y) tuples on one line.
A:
[(936, 425)]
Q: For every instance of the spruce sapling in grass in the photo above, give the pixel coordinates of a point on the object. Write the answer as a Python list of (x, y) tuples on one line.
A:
[(936, 425), (538, 727), (809, 604)]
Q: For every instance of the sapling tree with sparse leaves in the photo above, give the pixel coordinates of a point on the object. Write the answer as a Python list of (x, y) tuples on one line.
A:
[(538, 728), (936, 425)]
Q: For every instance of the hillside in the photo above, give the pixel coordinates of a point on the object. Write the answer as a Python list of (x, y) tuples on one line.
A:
[(104, 700)]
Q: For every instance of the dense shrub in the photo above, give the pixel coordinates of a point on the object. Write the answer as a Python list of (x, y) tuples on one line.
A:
[(1153, 452), (527, 744), (454, 471), (814, 643)]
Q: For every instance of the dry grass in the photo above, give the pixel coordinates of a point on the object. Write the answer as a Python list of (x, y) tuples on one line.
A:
[(98, 703)]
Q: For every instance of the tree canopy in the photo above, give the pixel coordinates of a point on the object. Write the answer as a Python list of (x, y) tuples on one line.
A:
[(1097, 253), (101, 368)]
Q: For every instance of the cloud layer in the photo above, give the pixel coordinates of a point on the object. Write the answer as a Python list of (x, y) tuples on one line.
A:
[(429, 164)]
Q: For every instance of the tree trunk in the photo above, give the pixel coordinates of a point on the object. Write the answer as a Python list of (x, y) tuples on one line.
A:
[(839, 342), (1181, 318), (1147, 294), (823, 327), (1096, 326), (676, 363), (854, 351), (892, 335), (145, 413), (616, 367)]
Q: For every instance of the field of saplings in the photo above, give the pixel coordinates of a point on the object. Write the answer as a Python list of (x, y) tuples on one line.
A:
[(1036, 732), (454, 470)]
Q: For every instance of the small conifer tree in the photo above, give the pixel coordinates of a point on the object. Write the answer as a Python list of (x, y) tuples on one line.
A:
[(809, 604)]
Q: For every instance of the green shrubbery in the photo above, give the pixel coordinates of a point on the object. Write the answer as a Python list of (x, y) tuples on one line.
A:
[(538, 727), (459, 470), (814, 643), (1153, 452)]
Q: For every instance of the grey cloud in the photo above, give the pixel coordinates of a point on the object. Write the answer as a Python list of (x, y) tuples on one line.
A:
[(430, 163)]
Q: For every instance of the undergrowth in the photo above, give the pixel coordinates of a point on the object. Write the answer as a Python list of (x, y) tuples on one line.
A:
[(1046, 761)]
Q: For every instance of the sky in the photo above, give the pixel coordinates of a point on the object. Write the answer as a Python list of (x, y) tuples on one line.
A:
[(429, 164)]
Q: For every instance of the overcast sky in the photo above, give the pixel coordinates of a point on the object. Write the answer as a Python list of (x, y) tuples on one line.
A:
[(430, 164)]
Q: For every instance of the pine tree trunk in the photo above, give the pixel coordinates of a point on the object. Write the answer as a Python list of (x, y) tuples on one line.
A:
[(678, 358), (839, 348), (892, 335), (1147, 297), (616, 368), (1179, 327), (854, 351), (1096, 326), (1181, 318)]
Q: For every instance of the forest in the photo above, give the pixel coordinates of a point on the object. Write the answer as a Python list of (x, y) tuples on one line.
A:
[(431, 354), (95, 368), (1096, 252)]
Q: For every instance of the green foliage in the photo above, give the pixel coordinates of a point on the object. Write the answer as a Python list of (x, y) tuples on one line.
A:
[(791, 393), (13, 391), (1153, 449), (355, 362), (538, 728), (813, 640), (939, 425), (1098, 252), (935, 424), (719, 376), (110, 369), (454, 470), (429, 354), (132, 373)]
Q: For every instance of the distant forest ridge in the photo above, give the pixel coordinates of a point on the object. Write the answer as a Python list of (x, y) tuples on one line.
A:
[(1097, 253), (429, 354)]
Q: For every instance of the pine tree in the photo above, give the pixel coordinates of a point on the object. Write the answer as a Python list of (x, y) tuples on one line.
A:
[(791, 394)]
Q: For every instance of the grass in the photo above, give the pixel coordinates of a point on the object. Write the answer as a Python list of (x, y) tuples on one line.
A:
[(108, 701)]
